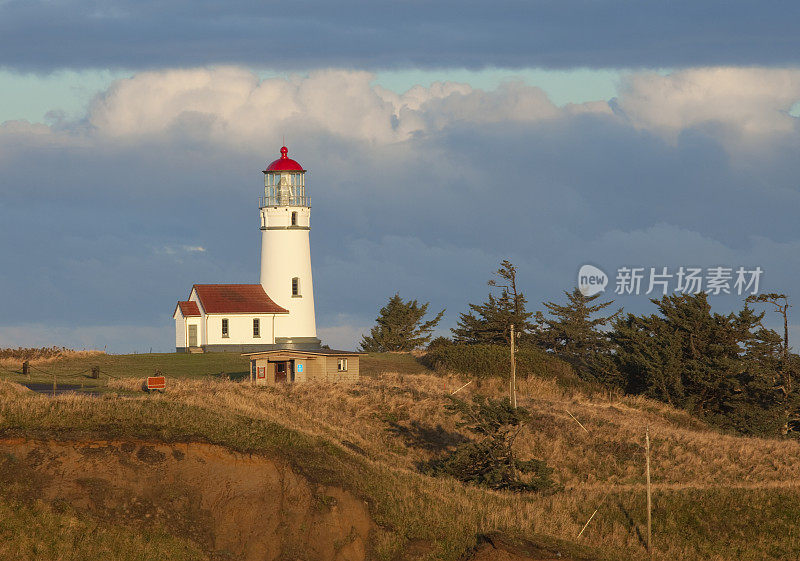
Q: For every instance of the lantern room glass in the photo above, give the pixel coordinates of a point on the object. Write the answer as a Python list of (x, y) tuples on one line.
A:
[(284, 188)]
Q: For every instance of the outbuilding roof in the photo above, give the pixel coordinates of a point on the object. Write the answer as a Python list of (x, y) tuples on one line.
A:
[(301, 352), (189, 309), (236, 299)]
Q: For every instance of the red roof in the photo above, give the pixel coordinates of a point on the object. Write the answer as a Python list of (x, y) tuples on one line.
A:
[(284, 163), (236, 298), (189, 309)]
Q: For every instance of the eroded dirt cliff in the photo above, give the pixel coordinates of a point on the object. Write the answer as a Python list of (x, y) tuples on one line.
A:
[(234, 505)]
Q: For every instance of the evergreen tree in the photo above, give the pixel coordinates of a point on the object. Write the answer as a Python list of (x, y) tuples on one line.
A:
[(649, 358), (489, 459), (574, 332), (400, 327), (711, 364), (786, 367), (757, 407), (490, 322)]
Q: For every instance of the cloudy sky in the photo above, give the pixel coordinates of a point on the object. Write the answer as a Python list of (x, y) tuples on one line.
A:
[(440, 138)]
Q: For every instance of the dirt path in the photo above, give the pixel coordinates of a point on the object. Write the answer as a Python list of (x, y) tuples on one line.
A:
[(602, 488)]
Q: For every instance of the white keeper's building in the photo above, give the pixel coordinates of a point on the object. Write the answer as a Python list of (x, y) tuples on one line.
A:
[(278, 313)]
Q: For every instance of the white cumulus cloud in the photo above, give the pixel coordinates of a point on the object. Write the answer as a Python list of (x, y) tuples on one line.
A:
[(750, 103)]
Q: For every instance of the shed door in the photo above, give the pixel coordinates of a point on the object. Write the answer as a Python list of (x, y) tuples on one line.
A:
[(192, 335), (280, 372)]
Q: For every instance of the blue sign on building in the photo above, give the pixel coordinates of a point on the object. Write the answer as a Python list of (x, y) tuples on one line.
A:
[(299, 367)]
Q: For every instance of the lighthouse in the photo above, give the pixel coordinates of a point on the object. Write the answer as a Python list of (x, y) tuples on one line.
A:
[(285, 222), (278, 313), (272, 323)]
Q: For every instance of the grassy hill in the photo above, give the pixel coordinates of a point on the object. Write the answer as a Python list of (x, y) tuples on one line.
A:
[(72, 369), (716, 496)]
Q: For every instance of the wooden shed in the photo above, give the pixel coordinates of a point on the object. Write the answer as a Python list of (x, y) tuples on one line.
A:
[(268, 368)]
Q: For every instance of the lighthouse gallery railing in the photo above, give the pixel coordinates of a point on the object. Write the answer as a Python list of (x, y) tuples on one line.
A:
[(283, 201)]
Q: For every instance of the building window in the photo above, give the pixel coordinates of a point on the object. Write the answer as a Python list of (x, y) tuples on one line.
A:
[(256, 328), (294, 219), (225, 328), (342, 365), (296, 287)]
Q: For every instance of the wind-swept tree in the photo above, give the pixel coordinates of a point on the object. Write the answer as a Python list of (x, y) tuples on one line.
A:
[(400, 327), (489, 458), (783, 382), (757, 405), (490, 322)]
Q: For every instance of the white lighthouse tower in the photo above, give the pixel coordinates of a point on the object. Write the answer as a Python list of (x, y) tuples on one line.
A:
[(285, 220)]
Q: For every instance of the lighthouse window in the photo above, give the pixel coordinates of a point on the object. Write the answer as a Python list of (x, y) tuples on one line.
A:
[(294, 219), (256, 327), (225, 328), (296, 286)]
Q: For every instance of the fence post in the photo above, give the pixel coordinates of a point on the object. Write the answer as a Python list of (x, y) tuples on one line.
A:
[(95, 372), (649, 498), (26, 369), (513, 377)]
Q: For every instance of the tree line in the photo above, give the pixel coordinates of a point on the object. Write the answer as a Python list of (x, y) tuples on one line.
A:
[(728, 369)]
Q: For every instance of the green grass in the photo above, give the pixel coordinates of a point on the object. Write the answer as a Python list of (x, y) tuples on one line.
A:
[(32, 531), (721, 523), (75, 371)]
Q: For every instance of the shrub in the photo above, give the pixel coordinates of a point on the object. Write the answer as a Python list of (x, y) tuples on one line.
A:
[(486, 361), (489, 459)]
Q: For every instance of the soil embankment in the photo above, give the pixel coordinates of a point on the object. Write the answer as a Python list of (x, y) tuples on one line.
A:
[(234, 505)]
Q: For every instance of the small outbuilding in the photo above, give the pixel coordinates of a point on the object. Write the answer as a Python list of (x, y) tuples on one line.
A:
[(268, 368)]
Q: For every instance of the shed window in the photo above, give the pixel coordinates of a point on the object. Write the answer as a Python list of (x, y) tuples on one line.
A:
[(225, 328), (342, 365), (296, 286), (256, 327)]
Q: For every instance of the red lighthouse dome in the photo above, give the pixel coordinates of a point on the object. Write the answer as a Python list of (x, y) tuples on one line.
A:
[(284, 163)]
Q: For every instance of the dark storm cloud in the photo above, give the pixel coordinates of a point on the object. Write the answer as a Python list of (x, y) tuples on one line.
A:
[(38, 35)]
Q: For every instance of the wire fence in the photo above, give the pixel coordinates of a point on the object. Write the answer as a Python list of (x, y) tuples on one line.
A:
[(63, 377), (61, 374)]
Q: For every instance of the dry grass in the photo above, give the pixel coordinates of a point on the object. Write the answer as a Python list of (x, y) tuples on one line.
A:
[(717, 496), (13, 358), (401, 420)]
